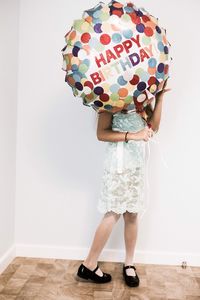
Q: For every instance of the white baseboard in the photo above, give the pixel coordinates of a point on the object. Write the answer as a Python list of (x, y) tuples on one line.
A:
[(7, 258), (144, 257)]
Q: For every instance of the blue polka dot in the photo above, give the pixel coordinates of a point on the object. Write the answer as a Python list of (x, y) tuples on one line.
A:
[(136, 93), (76, 77), (160, 75), (141, 86), (121, 81), (78, 44), (158, 36), (152, 62), (128, 33), (108, 106), (74, 68), (161, 67), (97, 28), (116, 38), (97, 14), (139, 13), (128, 9), (161, 46), (75, 51), (140, 27), (86, 62), (114, 88)]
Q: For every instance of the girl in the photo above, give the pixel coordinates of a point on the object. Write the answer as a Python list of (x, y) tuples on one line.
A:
[(122, 184)]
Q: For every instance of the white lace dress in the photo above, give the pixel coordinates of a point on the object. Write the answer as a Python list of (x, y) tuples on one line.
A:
[(123, 181)]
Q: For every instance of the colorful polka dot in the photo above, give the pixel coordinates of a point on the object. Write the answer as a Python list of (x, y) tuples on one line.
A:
[(123, 92), (140, 27), (105, 39), (161, 68), (98, 90), (97, 28), (152, 62), (98, 103), (89, 84), (116, 38), (104, 97), (114, 88), (127, 33), (141, 97), (121, 80), (141, 86), (85, 37), (135, 80), (79, 86), (148, 31)]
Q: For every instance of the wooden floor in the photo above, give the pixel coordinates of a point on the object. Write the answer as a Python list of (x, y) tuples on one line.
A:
[(46, 279)]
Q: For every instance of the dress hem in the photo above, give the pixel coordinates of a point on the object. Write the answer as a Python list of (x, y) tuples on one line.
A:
[(103, 211)]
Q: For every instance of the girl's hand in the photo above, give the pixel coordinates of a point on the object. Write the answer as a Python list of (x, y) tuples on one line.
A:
[(163, 91), (143, 134)]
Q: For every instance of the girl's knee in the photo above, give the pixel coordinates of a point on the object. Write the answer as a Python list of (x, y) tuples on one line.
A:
[(112, 215), (130, 216)]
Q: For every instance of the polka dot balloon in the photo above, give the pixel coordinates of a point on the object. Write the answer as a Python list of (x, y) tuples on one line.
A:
[(116, 57)]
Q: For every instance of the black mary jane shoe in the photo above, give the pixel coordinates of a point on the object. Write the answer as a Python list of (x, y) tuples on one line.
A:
[(130, 280), (85, 274)]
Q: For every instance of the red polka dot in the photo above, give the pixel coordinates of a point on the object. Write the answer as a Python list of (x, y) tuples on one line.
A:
[(135, 19), (135, 80), (145, 18), (148, 31), (118, 13), (166, 69), (89, 84), (85, 37), (104, 97), (152, 80), (105, 39)]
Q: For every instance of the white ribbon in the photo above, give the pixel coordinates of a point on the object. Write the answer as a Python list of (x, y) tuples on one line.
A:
[(152, 140), (120, 155), (120, 158)]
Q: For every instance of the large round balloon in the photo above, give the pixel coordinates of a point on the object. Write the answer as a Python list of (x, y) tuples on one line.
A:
[(116, 57)]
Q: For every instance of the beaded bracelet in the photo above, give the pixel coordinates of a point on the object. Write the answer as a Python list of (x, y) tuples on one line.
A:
[(126, 137)]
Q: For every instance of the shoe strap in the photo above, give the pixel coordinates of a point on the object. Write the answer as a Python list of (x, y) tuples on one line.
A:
[(95, 269), (130, 266)]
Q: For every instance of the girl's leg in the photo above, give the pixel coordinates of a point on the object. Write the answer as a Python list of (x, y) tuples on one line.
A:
[(101, 236), (130, 237)]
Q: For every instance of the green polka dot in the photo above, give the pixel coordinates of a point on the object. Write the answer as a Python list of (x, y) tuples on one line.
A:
[(78, 24), (114, 97), (126, 18), (99, 47), (85, 26), (83, 68), (139, 72), (104, 16), (128, 99), (146, 40)]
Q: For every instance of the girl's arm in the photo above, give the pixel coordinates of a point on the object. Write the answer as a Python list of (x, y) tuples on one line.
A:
[(105, 132), (154, 120), (104, 129)]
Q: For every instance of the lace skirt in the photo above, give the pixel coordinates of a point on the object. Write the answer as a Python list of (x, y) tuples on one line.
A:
[(123, 181)]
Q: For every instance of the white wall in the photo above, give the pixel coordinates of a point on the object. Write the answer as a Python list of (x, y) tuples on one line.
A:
[(8, 114), (59, 160)]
